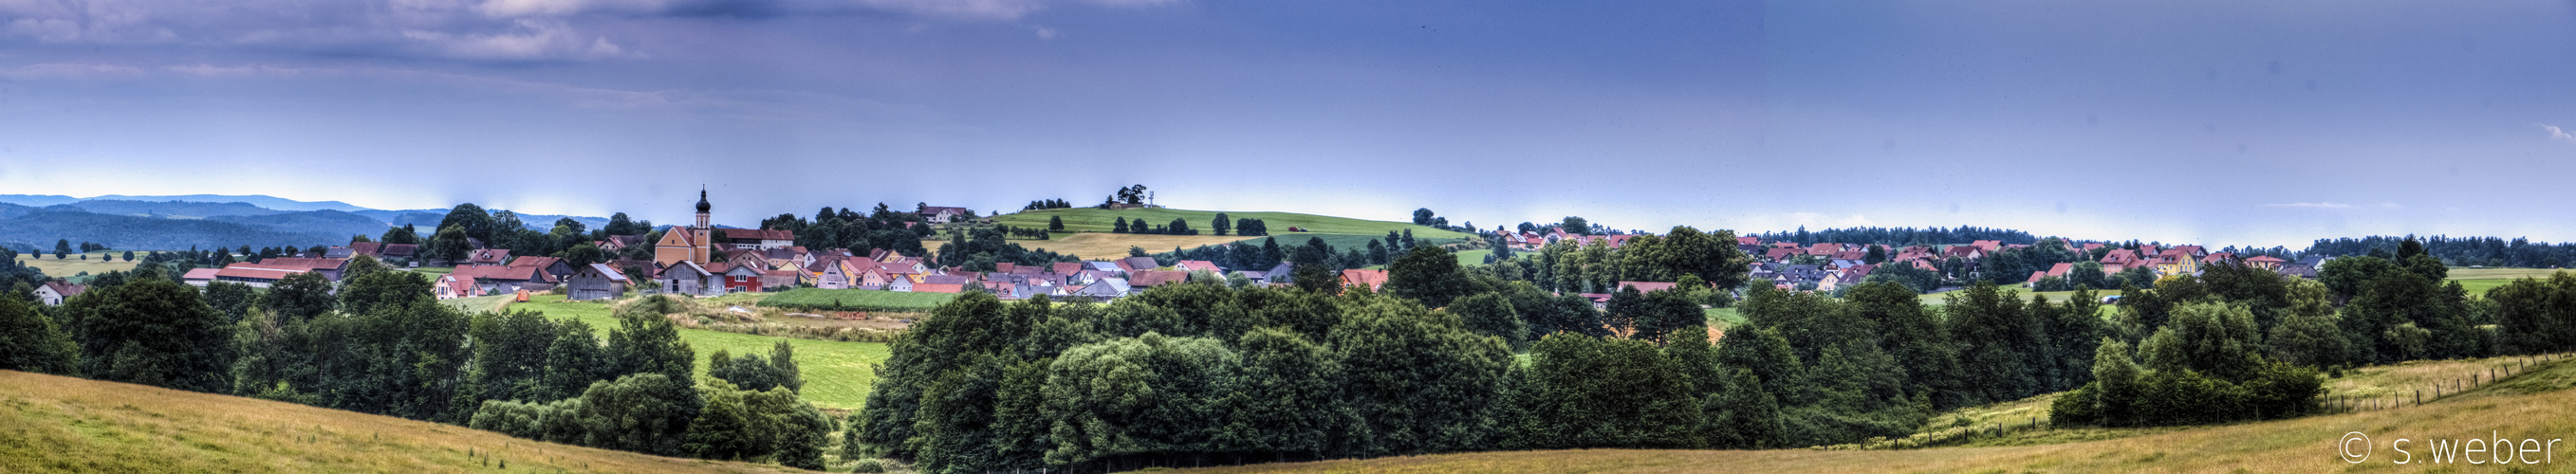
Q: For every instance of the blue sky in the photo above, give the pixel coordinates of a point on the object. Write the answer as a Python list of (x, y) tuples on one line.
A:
[(2208, 122)]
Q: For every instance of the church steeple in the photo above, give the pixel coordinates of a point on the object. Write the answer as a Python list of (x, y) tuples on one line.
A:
[(702, 208)]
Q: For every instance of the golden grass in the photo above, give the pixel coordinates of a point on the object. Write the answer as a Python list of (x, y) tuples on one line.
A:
[(60, 424), (2501, 273), (1104, 246), (2535, 405), (97, 263)]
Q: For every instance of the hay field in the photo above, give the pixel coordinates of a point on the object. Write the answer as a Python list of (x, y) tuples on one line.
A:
[(59, 424)]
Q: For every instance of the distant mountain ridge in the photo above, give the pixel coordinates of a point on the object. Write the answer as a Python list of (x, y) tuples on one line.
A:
[(207, 220)]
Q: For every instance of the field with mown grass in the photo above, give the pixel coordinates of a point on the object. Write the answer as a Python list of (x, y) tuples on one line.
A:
[(1099, 220), (54, 424), (2535, 405), (856, 300), (1106, 246), (837, 374), (98, 262), (478, 304)]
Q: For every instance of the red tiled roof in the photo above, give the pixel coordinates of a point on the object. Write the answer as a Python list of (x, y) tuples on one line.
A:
[(1148, 278), (759, 234), (244, 270), (497, 273), (1648, 286), (200, 274), (305, 263), (1372, 278)]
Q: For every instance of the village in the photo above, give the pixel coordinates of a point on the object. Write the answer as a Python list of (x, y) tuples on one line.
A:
[(703, 260)]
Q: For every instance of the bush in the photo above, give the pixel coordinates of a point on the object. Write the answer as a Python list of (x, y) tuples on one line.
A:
[(869, 465)]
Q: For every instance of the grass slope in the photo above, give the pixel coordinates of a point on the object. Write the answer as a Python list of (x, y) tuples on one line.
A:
[(60, 424), (1105, 246), (2535, 404), (98, 262), (856, 300), (1098, 220), (837, 374)]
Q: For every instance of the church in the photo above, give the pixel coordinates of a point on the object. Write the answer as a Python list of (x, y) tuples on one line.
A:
[(693, 244)]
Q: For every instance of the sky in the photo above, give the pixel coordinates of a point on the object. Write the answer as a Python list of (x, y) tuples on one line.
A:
[(2220, 123)]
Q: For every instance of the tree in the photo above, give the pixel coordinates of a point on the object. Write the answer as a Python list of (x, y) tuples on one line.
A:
[(448, 245), (1422, 216), (129, 255), (152, 331), (1119, 225), (1576, 226), (62, 248), (234, 300), (1220, 224), (1290, 397), (1491, 314), (643, 412), (299, 297), (1685, 251), (32, 342), (1599, 392), (472, 221), (400, 235), (1420, 381), (1056, 223), (1994, 335), (2310, 334), (1429, 275), (583, 255)]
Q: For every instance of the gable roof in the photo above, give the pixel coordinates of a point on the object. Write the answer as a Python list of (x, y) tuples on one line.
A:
[(65, 288), (1648, 286), (1151, 278), (1138, 263), (759, 234), (1372, 278), (498, 273), (1201, 266), (603, 269)]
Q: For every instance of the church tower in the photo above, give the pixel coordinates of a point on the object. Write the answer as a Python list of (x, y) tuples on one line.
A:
[(693, 244), (705, 248)]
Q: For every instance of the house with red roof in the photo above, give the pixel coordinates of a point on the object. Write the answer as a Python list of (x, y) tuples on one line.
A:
[(1374, 279), (1201, 266), (54, 292), (2265, 262), (199, 277), (451, 286)]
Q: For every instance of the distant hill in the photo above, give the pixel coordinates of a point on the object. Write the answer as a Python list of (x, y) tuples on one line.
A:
[(36, 200), (271, 202), (172, 208), (8, 210), (425, 219), (315, 222), (52, 223)]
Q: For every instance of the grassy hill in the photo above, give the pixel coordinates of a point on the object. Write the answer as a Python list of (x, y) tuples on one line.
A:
[(2535, 405), (98, 262), (60, 424), (1098, 220), (837, 374)]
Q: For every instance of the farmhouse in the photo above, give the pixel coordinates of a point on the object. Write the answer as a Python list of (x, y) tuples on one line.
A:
[(52, 293), (594, 282), (939, 214), (451, 287), (499, 279), (330, 268), (764, 239), (488, 257), (690, 278)]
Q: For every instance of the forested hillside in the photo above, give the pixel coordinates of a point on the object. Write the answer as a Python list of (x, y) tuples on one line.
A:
[(128, 232)]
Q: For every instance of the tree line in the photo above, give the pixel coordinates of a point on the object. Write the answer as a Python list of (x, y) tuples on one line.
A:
[(2457, 251), (379, 343)]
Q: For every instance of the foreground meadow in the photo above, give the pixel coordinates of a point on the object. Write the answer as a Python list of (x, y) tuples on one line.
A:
[(59, 424)]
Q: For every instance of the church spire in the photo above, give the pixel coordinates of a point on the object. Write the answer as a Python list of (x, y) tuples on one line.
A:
[(702, 208)]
